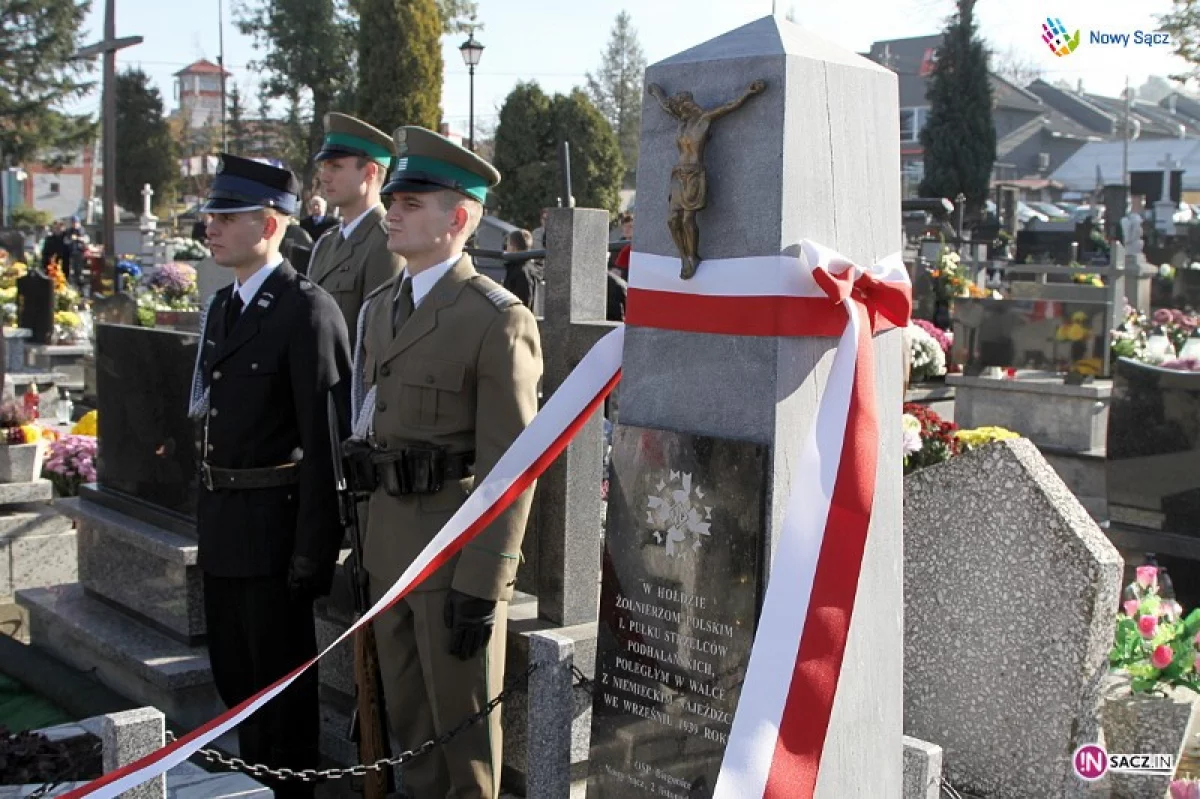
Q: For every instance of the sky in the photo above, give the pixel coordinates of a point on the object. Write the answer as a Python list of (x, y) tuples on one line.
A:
[(556, 43)]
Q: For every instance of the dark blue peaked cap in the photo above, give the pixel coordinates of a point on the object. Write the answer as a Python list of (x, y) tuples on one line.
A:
[(242, 184)]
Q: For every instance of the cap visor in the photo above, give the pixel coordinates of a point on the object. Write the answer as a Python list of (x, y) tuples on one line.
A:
[(336, 152), (413, 186), (227, 207)]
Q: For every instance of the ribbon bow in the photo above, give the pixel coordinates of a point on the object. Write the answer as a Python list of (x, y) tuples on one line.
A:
[(882, 290)]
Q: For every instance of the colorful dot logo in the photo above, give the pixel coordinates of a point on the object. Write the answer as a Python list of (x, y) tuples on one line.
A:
[(1091, 762), (1054, 34)]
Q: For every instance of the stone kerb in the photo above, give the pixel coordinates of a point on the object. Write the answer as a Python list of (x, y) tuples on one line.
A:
[(1009, 593)]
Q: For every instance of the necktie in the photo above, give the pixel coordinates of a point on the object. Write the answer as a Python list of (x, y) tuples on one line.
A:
[(402, 308), (233, 310)]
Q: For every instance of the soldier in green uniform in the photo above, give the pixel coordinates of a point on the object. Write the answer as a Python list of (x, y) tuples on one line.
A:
[(352, 260), (448, 363)]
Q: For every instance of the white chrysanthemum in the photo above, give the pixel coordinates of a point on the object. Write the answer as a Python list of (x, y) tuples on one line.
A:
[(926, 358), (912, 433)]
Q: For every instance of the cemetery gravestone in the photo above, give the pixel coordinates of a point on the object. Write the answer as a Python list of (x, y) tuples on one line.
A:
[(117, 309), (682, 560), (35, 305), (1009, 593), (813, 157), (1153, 469), (148, 444)]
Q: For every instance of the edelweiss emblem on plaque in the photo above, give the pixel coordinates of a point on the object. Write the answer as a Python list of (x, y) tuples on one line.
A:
[(676, 512)]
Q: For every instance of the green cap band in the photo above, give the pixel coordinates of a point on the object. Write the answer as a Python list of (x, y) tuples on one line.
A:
[(376, 152), (413, 166)]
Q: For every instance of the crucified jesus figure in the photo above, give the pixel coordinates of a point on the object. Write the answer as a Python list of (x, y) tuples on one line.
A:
[(689, 184)]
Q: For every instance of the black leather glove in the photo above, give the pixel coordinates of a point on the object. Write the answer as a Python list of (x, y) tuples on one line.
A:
[(470, 621), (304, 579)]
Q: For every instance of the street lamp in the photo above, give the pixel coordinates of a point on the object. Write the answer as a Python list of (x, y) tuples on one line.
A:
[(471, 51)]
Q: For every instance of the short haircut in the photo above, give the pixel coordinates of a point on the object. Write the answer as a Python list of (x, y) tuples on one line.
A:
[(449, 200), (625, 218), (520, 240)]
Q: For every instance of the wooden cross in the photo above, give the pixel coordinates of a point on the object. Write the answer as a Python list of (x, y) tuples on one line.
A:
[(108, 47)]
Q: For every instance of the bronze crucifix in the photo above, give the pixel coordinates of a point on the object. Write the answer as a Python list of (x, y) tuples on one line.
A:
[(689, 182)]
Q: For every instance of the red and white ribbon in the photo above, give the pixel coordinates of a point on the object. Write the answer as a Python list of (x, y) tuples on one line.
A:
[(534, 450), (783, 712)]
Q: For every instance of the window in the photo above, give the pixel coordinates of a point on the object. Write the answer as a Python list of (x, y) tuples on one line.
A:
[(54, 188), (912, 122)]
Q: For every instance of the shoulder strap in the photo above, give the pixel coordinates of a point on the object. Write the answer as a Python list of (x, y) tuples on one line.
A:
[(496, 294)]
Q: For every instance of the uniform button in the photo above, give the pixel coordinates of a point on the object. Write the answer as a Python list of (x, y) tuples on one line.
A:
[(428, 378), (212, 412), (253, 366), (210, 447), (383, 370), (381, 406), (216, 375)]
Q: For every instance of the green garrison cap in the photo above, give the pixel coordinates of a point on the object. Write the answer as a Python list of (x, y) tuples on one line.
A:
[(347, 136), (426, 161)]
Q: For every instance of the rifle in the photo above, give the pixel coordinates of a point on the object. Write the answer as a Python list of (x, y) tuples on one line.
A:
[(368, 722)]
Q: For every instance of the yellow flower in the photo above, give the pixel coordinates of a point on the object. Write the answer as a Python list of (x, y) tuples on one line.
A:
[(67, 319), (31, 432), (972, 439), (86, 426)]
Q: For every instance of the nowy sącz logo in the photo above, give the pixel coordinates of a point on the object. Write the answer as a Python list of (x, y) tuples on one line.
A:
[(1092, 762), (1054, 34)]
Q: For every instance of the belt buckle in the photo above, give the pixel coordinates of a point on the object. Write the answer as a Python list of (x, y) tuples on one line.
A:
[(206, 475)]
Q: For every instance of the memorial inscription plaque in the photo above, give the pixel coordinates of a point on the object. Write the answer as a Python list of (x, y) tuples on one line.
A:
[(678, 605)]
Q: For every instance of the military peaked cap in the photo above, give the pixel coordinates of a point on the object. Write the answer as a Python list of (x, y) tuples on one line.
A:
[(426, 161), (243, 184), (347, 136)]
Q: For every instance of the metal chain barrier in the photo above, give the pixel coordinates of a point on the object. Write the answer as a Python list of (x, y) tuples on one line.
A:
[(361, 770)]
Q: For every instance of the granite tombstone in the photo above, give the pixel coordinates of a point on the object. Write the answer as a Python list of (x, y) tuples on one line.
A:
[(148, 445), (679, 597), (35, 306), (1154, 448), (1044, 334)]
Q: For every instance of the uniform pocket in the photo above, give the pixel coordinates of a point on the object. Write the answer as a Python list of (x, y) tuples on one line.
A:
[(340, 282), (431, 391)]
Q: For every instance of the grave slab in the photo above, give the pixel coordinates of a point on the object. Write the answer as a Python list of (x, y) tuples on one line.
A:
[(1009, 593), (37, 548), (142, 568), (1038, 405), (135, 661)]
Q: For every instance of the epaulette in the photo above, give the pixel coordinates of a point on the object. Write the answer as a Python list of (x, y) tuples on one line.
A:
[(496, 294)]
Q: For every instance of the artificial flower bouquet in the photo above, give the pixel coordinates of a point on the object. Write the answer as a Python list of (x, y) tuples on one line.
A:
[(1154, 642)]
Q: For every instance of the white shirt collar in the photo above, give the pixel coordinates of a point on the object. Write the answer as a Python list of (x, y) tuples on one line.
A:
[(423, 282), (348, 227), (255, 282)]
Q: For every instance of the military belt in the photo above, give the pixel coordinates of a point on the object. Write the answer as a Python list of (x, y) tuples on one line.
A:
[(214, 477), (419, 470)]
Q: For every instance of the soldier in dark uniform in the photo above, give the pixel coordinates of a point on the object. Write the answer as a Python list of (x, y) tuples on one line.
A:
[(274, 346)]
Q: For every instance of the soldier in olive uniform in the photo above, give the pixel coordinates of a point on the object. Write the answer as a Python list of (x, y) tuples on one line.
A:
[(273, 347), (450, 362), (352, 260)]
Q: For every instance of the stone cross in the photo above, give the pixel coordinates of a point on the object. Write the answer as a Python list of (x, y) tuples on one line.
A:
[(1169, 165), (147, 193), (563, 559), (814, 157)]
